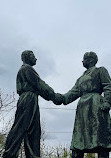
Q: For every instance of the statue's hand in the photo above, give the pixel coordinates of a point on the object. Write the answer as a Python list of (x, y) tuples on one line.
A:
[(58, 100), (106, 107)]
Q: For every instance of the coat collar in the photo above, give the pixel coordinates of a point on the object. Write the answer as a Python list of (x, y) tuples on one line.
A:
[(89, 70)]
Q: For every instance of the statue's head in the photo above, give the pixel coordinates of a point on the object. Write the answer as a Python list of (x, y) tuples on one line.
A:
[(90, 59), (28, 57)]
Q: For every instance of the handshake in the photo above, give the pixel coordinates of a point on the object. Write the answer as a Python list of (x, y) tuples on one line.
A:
[(58, 99)]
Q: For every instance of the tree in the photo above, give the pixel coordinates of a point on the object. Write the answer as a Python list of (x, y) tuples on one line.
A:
[(6, 107)]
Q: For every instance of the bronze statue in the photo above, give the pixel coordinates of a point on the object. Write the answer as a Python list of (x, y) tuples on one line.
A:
[(92, 127), (27, 118)]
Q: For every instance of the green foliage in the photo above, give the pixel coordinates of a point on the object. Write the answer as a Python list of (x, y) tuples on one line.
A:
[(66, 153), (90, 155), (2, 140)]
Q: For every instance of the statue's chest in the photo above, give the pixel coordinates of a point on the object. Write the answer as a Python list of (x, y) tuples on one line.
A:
[(89, 80)]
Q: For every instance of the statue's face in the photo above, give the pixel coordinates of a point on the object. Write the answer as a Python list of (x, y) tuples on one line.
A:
[(87, 61), (32, 59)]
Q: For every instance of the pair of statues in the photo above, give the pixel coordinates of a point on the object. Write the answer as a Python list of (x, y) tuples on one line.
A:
[(92, 128)]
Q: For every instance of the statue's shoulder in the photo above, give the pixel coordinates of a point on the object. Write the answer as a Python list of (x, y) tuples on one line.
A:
[(102, 68), (99, 70), (25, 68)]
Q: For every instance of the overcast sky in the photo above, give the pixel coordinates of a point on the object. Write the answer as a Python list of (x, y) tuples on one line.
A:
[(59, 32)]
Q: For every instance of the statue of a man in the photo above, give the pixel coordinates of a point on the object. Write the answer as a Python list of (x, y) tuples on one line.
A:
[(27, 118), (92, 127)]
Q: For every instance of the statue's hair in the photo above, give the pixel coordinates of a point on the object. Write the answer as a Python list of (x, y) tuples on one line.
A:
[(25, 54), (92, 55)]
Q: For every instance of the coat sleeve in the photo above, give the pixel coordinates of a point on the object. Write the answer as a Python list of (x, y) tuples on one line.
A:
[(106, 84), (40, 87), (72, 94)]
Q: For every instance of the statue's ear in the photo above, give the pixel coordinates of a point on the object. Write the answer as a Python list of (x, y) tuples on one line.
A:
[(24, 57)]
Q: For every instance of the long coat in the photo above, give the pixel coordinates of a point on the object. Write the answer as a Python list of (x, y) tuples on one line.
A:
[(27, 118), (92, 127)]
